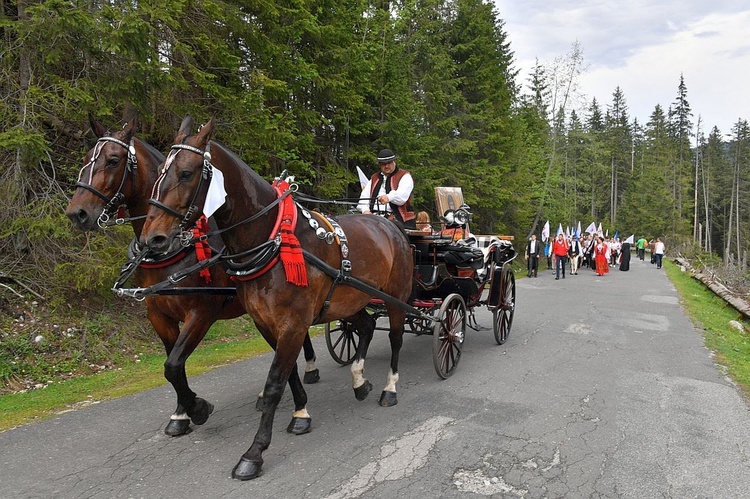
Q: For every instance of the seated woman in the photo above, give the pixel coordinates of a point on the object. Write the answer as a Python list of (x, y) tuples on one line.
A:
[(423, 222)]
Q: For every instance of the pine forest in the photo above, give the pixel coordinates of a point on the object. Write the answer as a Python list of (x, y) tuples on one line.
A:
[(317, 88)]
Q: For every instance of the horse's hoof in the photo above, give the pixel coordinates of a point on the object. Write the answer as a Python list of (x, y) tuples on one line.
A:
[(259, 404), (361, 392), (311, 377), (201, 411), (388, 399), (299, 426), (247, 469), (177, 427)]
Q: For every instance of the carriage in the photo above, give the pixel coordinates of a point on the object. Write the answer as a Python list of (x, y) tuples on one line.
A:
[(280, 266), (451, 278)]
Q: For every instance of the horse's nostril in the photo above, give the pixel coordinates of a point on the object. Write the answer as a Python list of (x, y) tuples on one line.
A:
[(157, 242), (79, 217)]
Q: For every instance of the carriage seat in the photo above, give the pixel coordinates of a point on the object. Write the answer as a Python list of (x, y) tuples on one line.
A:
[(461, 255)]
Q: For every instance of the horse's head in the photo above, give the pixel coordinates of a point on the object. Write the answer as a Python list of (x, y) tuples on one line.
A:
[(107, 178), (180, 191)]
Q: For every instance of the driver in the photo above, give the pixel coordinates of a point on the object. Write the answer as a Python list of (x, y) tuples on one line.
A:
[(388, 192)]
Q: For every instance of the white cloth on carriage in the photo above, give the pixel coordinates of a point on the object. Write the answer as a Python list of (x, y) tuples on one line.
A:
[(486, 244)]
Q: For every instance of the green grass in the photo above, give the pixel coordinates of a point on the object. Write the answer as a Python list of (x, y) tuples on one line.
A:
[(712, 314), (220, 347)]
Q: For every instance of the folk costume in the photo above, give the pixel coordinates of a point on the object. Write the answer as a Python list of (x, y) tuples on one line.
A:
[(600, 259), (397, 186), (575, 253), (533, 253), (614, 252)]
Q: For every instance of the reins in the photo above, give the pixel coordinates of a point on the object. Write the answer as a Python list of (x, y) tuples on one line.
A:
[(186, 238), (257, 260)]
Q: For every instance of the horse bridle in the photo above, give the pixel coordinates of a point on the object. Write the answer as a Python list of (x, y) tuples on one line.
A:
[(206, 174), (131, 167), (186, 236)]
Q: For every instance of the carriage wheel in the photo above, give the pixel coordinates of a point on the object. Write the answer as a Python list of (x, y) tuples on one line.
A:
[(448, 335), (502, 316), (342, 341)]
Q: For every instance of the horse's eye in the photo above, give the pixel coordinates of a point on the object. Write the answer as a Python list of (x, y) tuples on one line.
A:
[(112, 162), (185, 175)]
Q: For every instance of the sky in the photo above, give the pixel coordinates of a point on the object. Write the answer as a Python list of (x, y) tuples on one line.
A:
[(642, 46)]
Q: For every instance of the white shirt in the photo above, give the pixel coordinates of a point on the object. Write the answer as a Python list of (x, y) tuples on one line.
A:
[(659, 248), (397, 196)]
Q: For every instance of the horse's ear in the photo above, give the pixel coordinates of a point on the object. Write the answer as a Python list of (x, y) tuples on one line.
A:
[(97, 127), (204, 134), (129, 128), (186, 127), (130, 113)]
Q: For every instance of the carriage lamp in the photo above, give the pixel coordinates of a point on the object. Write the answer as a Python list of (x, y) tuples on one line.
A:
[(462, 216)]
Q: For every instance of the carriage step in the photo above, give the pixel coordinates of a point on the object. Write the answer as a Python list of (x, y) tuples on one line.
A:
[(427, 304)]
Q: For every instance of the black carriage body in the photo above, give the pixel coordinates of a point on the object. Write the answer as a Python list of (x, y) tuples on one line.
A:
[(449, 281), (442, 268)]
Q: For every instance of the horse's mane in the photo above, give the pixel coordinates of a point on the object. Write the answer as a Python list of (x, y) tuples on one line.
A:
[(154, 152), (237, 159)]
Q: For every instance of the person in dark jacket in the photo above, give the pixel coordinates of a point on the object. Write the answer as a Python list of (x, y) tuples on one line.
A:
[(625, 257), (533, 253)]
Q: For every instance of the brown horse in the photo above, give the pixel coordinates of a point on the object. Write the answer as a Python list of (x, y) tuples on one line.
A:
[(121, 169), (378, 251)]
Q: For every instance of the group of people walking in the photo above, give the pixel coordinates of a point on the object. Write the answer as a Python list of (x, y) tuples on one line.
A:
[(592, 251)]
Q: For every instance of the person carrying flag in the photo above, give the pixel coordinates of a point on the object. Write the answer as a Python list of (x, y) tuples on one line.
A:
[(575, 251)]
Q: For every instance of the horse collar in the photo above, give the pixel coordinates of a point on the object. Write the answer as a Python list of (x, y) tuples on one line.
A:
[(265, 256)]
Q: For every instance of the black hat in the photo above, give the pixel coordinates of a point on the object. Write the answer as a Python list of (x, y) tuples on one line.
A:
[(386, 156)]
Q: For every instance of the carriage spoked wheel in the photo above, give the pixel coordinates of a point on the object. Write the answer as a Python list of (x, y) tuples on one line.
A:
[(342, 341), (502, 316), (448, 335)]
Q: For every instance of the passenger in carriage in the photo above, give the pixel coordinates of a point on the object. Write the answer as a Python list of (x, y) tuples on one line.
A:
[(423, 222), (388, 192)]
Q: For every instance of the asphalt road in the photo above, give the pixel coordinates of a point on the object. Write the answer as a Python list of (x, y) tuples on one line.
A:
[(604, 389)]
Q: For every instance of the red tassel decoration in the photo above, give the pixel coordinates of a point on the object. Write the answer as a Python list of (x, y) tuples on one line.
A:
[(202, 249), (291, 251)]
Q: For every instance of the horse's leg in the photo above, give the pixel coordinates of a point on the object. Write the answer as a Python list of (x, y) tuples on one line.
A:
[(284, 362), (312, 375), (168, 331), (189, 406), (364, 326), (396, 316), (301, 420)]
